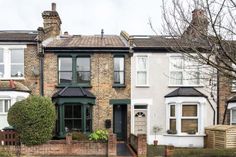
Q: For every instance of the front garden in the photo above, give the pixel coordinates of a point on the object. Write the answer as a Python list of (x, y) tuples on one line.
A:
[(34, 121), (160, 150)]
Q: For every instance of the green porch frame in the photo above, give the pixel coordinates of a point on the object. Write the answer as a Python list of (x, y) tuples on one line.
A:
[(61, 103)]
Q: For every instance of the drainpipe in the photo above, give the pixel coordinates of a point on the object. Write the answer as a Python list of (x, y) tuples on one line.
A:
[(223, 121), (218, 101), (41, 72), (41, 59), (214, 112)]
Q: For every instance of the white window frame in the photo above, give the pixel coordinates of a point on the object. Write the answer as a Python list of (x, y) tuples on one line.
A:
[(142, 70), (17, 63), (184, 117), (170, 117), (179, 117), (7, 61), (185, 72), (233, 83), (3, 107), (231, 117)]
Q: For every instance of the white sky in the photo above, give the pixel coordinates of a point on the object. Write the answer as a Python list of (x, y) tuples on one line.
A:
[(84, 16)]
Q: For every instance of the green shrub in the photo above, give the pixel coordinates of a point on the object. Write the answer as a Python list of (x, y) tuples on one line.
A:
[(79, 136), (34, 119), (99, 135), (4, 153)]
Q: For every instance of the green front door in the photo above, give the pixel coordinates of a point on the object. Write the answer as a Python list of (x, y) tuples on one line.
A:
[(120, 121)]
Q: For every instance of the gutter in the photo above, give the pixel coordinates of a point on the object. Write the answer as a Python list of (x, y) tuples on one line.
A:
[(87, 49), (214, 112)]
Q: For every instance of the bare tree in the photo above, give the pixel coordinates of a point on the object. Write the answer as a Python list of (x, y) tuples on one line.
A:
[(204, 30)]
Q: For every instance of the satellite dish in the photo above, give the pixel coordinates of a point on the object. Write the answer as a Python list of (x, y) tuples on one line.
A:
[(35, 71)]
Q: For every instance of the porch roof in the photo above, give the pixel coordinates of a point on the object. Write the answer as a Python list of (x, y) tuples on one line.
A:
[(185, 92), (75, 95)]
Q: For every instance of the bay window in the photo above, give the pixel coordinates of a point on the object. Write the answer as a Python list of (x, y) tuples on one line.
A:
[(233, 116), (189, 119), (119, 70), (78, 118), (141, 71), (183, 71), (172, 117), (183, 118)]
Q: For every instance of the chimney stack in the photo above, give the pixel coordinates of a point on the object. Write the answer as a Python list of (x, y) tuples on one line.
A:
[(51, 22), (54, 6), (199, 25)]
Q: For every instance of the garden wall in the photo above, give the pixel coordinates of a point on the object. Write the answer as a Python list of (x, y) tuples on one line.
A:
[(139, 144), (68, 147)]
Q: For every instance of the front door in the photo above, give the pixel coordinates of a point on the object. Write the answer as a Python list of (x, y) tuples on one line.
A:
[(120, 121), (140, 121)]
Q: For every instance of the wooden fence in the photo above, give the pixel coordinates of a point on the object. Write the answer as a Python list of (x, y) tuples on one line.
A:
[(8, 137)]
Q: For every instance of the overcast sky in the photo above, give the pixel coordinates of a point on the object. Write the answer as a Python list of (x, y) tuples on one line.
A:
[(84, 16)]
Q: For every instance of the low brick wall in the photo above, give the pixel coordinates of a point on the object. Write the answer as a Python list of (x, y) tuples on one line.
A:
[(139, 144), (68, 147)]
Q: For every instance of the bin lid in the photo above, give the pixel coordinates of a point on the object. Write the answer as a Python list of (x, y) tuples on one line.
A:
[(221, 127), (8, 128)]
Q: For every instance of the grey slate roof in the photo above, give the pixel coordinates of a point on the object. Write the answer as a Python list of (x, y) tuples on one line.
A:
[(165, 42), (233, 99), (87, 41), (78, 92), (24, 36), (185, 92)]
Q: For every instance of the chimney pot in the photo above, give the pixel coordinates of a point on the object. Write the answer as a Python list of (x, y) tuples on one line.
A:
[(54, 5), (102, 33)]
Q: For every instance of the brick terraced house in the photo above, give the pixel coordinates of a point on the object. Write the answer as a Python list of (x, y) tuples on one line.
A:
[(88, 78), (19, 69)]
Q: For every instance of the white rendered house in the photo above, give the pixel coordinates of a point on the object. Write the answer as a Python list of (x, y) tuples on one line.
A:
[(166, 93)]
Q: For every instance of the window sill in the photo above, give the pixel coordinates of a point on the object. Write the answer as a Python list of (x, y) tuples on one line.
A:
[(13, 78), (185, 135), (118, 86), (74, 85), (174, 86), (233, 90), (3, 114), (142, 86)]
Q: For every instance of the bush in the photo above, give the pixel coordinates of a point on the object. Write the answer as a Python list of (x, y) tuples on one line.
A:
[(99, 135), (79, 136), (34, 119)]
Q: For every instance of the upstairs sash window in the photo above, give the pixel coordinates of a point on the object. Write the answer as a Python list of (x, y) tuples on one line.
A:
[(83, 69), (119, 70), (65, 70)]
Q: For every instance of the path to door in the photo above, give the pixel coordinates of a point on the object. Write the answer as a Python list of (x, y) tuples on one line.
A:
[(123, 150)]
